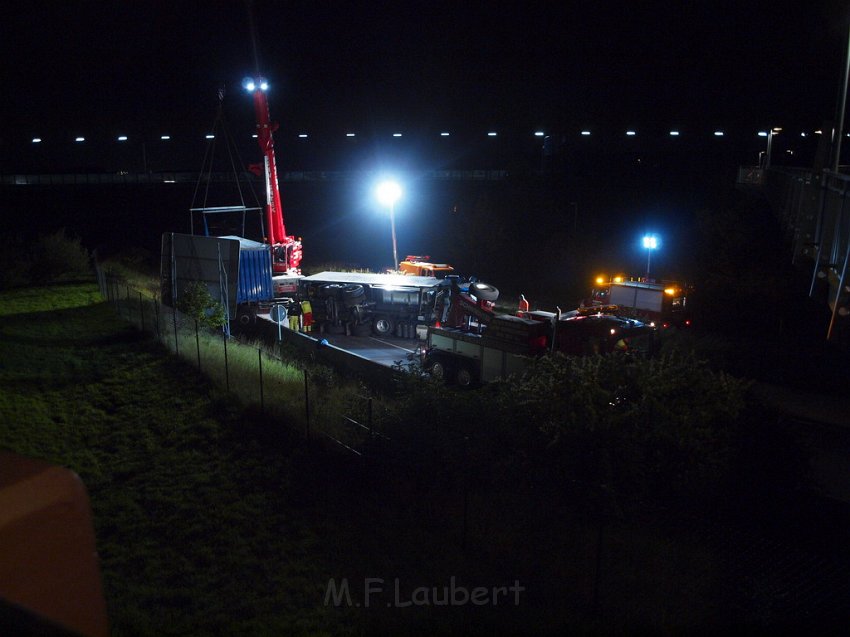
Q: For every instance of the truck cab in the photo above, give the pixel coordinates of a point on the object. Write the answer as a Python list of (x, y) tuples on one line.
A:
[(661, 303), (421, 266)]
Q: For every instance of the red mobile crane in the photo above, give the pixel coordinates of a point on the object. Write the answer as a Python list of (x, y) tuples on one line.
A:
[(286, 249)]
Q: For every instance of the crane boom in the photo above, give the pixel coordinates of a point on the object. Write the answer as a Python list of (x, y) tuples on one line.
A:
[(286, 249)]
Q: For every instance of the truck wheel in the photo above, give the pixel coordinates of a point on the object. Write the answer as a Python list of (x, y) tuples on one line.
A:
[(483, 291), (383, 326), (464, 377), (331, 290), (439, 373), (352, 293)]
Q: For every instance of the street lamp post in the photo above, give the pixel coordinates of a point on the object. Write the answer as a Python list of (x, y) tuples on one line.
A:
[(650, 242), (770, 134), (388, 193)]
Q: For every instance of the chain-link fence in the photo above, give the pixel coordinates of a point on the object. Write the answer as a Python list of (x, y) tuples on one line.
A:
[(280, 380)]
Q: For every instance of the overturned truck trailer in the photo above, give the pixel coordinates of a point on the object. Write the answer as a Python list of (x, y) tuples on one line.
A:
[(381, 304), (236, 271)]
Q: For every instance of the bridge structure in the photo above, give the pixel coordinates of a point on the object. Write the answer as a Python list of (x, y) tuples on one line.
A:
[(812, 207)]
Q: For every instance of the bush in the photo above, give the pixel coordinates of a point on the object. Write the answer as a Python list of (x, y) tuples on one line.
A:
[(49, 259), (654, 431), (15, 263), (197, 303), (57, 257)]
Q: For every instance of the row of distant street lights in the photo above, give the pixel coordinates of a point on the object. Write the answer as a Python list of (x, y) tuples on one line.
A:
[(583, 133)]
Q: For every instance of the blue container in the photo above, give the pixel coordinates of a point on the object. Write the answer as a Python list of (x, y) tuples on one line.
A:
[(255, 272)]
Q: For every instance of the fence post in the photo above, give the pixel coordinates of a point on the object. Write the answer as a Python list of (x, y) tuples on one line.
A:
[(465, 491), (306, 406), (262, 402), (226, 368), (174, 318), (156, 313), (198, 344), (142, 310)]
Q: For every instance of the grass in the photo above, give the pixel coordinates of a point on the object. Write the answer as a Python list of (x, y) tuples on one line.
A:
[(194, 529), (212, 518)]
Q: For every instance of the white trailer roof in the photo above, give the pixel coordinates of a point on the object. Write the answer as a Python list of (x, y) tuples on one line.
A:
[(369, 278)]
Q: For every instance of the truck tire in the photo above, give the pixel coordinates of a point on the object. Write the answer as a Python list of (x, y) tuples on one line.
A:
[(464, 377), (483, 291), (439, 372), (352, 294), (383, 326), (330, 290)]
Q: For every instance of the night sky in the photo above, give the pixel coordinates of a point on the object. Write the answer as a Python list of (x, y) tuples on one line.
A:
[(98, 68), (147, 69)]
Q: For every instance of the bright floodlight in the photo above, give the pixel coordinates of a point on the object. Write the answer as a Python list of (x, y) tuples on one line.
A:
[(718, 133), (210, 136), (491, 134), (444, 134), (388, 192), (122, 138), (539, 133), (302, 135), (165, 137), (36, 140), (79, 139), (674, 133), (763, 133), (396, 134), (586, 133), (631, 133), (248, 84), (264, 86)]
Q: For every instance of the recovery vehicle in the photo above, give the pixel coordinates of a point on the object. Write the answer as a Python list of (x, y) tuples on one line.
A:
[(477, 345), (661, 303)]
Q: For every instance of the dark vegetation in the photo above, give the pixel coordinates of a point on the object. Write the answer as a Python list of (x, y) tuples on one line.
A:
[(50, 258), (623, 493)]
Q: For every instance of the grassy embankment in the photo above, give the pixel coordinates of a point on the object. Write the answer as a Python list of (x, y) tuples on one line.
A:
[(212, 519), (195, 523)]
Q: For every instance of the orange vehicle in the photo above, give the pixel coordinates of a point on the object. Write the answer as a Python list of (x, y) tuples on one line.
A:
[(421, 266)]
